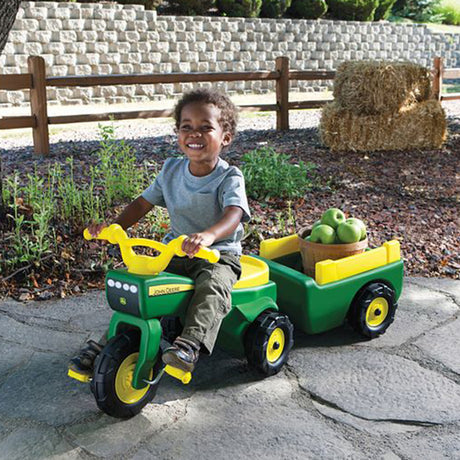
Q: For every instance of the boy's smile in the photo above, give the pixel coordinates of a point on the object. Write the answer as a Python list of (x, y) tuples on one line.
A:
[(201, 136)]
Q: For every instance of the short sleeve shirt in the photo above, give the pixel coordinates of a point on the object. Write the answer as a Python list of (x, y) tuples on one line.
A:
[(196, 203)]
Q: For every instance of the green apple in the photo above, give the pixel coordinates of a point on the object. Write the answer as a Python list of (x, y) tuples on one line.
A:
[(333, 217), (324, 234), (318, 222), (349, 232), (361, 224)]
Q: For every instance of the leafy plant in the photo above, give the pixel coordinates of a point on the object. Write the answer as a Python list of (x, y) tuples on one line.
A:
[(122, 179), (271, 174), (307, 9), (418, 10), (450, 11)]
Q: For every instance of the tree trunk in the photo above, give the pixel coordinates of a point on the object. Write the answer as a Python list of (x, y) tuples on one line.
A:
[(8, 11)]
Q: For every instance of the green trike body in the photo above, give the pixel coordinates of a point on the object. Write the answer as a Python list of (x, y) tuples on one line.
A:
[(140, 301), (169, 295)]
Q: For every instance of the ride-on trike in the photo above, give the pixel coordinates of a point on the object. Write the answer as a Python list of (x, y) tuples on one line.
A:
[(149, 305)]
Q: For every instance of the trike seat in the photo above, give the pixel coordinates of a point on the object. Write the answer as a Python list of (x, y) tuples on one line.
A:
[(255, 273)]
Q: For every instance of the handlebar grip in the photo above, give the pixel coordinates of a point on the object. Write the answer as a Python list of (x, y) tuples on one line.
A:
[(113, 233), (212, 255), (87, 235)]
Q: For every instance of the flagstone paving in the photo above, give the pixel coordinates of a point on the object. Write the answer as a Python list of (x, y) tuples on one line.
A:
[(395, 397)]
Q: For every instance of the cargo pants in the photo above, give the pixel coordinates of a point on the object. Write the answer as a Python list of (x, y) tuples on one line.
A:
[(211, 300)]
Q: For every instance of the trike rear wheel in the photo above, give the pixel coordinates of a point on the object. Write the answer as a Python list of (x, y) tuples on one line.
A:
[(113, 375), (268, 341)]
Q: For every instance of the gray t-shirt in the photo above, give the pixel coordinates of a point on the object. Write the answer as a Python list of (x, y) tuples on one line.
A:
[(197, 203)]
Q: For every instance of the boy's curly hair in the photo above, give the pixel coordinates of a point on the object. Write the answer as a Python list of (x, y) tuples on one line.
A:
[(228, 112)]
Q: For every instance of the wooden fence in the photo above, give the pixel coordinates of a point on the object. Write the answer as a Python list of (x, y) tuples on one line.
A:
[(440, 73), (37, 82)]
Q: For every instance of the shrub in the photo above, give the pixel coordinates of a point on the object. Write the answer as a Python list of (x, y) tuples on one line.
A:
[(352, 10), (148, 4), (307, 9), (383, 10), (270, 174), (190, 7), (418, 10), (240, 8), (274, 8)]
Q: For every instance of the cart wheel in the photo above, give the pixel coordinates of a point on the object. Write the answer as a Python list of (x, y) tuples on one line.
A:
[(373, 310), (268, 341), (113, 375)]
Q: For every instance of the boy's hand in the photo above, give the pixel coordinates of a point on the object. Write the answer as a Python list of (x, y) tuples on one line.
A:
[(94, 229), (197, 240)]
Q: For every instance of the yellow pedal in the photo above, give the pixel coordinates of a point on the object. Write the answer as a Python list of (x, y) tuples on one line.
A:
[(179, 374), (85, 378)]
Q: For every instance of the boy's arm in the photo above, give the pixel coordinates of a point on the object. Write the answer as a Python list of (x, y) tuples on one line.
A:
[(129, 216), (225, 226), (133, 212)]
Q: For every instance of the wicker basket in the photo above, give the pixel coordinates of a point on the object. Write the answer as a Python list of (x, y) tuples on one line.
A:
[(316, 252)]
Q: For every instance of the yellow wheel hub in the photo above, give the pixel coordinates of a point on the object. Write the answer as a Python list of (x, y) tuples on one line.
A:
[(124, 379), (377, 312), (275, 345)]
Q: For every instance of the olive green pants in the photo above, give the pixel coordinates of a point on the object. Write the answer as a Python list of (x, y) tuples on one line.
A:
[(211, 299)]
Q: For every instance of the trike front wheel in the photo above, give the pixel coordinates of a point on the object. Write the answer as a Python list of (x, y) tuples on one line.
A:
[(113, 375)]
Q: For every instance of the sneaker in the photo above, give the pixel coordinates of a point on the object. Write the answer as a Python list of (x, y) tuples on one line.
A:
[(183, 354), (83, 363)]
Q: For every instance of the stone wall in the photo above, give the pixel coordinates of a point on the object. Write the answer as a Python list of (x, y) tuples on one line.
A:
[(84, 39)]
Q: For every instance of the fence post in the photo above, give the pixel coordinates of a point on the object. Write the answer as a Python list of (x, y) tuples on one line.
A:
[(282, 93), (437, 78), (38, 104)]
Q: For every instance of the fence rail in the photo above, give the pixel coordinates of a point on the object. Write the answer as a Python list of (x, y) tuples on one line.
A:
[(37, 82), (440, 74)]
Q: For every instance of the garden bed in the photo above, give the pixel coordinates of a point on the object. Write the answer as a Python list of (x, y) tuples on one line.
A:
[(410, 196)]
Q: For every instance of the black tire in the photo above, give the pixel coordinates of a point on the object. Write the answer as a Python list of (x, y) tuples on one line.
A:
[(120, 350), (373, 310), (262, 345)]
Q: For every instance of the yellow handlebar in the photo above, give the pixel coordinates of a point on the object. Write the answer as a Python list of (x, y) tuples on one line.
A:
[(147, 265)]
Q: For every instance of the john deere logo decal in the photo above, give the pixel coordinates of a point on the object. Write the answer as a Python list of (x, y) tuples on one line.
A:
[(169, 289), (122, 300)]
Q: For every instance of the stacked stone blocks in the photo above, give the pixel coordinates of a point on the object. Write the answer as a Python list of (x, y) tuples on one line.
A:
[(104, 38)]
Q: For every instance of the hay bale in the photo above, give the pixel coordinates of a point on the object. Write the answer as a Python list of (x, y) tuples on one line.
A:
[(374, 87), (420, 126)]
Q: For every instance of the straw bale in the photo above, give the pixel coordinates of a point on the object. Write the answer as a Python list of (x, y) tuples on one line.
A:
[(374, 87), (420, 126)]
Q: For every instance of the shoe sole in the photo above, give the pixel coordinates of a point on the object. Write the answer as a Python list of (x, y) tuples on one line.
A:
[(172, 360)]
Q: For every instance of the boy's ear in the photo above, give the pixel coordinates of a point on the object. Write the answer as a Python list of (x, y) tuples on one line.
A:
[(226, 139)]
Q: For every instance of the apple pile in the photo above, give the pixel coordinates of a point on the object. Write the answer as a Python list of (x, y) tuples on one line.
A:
[(335, 228)]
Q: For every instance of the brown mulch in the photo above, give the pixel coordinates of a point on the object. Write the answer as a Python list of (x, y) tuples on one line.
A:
[(410, 196)]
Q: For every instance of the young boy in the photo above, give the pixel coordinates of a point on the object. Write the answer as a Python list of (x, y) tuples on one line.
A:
[(206, 200)]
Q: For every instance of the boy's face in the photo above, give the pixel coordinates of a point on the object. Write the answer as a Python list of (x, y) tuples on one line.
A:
[(201, 138)]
